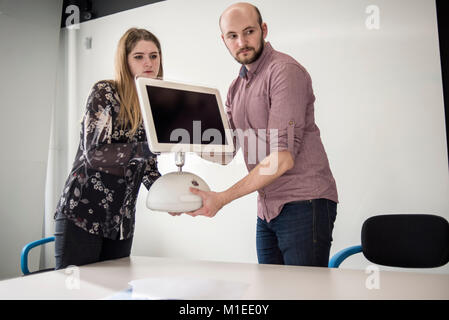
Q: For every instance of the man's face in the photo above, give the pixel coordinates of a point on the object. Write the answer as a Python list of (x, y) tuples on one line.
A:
[(242, 35)]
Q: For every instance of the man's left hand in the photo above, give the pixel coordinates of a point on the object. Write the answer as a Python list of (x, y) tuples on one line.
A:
[(212, 203)]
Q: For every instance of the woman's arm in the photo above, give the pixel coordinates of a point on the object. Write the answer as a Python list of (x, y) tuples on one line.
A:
[(99, 151), (151, 173)]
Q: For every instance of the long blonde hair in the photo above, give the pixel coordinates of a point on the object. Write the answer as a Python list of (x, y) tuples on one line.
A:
[(129, 114)]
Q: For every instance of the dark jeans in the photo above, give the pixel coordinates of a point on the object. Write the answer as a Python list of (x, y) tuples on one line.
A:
[(301, 234), (75, 246)]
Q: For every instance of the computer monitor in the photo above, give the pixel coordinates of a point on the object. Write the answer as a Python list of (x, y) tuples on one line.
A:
[(183, 118)]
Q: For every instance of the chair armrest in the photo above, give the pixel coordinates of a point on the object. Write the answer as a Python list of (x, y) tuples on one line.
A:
[(338, 258), (27, 248)]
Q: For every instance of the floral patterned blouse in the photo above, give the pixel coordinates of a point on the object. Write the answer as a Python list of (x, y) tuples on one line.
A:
[(101, 191)]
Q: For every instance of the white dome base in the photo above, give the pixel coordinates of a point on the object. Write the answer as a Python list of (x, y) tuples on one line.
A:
[(170, 193)]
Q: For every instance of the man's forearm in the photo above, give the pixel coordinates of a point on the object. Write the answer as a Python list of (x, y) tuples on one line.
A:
[(271, 168)]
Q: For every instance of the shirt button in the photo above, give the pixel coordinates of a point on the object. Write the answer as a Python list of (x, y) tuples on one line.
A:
[(248, 85), (291, 122)]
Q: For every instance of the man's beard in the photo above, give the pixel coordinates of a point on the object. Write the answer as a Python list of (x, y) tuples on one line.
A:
[(256, 55)]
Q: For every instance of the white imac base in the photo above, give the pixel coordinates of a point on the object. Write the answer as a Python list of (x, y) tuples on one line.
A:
[(170, 193)]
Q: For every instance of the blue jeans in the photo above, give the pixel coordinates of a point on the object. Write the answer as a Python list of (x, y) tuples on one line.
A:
[(300, 235)]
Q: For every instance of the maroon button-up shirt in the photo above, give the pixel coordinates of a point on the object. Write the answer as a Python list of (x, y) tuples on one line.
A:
[(271, 108)]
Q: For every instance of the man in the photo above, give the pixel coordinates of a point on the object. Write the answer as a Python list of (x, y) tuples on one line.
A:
[(272, 99)]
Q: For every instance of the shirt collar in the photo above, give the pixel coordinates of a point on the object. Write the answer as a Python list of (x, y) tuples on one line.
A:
[(243, 72), (267, 50)]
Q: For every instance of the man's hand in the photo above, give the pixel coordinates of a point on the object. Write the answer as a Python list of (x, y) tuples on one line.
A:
[(175, 214), (268, 170), (212, 203)]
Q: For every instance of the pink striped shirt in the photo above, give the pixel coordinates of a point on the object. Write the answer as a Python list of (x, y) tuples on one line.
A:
[(271, 107)]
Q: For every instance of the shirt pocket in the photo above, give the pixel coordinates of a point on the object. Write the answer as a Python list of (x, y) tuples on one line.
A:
[(257, 110)]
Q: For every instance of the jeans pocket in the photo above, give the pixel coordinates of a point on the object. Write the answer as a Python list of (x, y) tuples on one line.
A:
[(331, 216), (314, 222)]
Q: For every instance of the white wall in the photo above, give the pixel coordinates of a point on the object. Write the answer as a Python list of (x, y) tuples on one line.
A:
[(29, 32), (379, 107)]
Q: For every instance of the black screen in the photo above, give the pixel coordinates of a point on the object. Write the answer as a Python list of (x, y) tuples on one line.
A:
[(186, 117)]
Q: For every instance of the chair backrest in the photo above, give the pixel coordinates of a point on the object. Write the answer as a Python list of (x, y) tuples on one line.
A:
[(406, 240)]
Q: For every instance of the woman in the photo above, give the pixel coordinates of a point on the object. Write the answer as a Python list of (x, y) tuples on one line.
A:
[(96, 213)]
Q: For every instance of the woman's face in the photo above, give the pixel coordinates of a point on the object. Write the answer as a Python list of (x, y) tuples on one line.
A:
[(144, 60)]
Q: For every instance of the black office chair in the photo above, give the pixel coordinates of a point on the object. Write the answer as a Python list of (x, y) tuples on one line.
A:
[(401, 240)]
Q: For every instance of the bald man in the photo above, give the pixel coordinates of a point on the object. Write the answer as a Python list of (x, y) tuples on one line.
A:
[(272, 100)]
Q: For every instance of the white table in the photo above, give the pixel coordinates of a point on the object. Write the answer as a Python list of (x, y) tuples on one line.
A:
[(264, 282)]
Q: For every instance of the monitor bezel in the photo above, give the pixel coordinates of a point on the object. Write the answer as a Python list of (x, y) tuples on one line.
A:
[(150, 130)]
